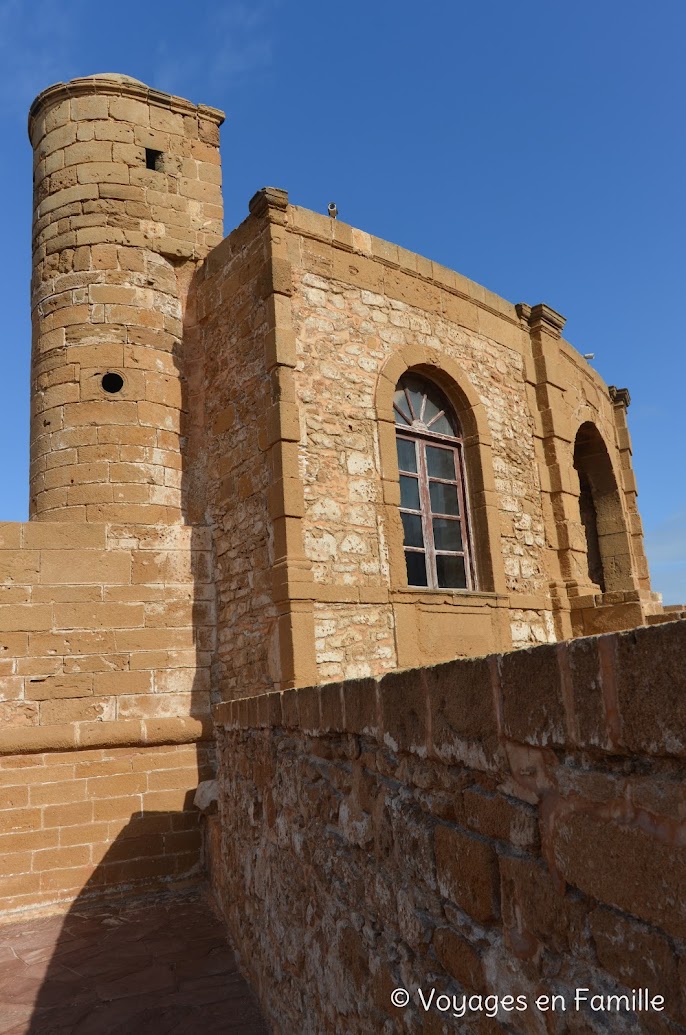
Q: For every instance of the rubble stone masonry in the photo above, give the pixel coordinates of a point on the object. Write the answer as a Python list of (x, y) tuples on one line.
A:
[(364, 312), (242, 321), (511, 825)]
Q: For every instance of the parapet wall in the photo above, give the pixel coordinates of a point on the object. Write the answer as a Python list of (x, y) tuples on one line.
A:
[(115, 820), (106, 634), (512, 825)]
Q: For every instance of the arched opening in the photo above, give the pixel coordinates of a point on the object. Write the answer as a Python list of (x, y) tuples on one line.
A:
[(447, 377), (433, 496), (608, 562)]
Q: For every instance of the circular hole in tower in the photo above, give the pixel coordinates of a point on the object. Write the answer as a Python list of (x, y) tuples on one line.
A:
[(112, 383)]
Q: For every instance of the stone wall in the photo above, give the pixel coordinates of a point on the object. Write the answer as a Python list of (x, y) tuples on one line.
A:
[(106, 634), (363, 312), (98, 822), (511, 825), (251, 495), (232, 320), (345, 335), (356, 308)]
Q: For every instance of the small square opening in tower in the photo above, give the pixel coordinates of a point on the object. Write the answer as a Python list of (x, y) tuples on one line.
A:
[(153, 159)]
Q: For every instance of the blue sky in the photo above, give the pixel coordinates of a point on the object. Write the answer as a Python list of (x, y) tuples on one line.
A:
[(536, 147)]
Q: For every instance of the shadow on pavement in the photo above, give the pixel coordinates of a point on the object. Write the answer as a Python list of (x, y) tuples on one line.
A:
[(160, 966)]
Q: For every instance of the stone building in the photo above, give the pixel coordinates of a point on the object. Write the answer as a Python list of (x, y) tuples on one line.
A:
[(290, 456)]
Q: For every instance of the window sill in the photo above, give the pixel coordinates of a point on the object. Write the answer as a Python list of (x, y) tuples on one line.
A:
[(453, 597)]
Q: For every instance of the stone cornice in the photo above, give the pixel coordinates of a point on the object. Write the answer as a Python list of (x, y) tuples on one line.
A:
[(271, 202), (82, 736), (542, 316), (120, 86), (619, 396)]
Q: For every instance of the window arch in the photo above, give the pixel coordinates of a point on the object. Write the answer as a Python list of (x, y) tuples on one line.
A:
[(433, 498), (608, 562)]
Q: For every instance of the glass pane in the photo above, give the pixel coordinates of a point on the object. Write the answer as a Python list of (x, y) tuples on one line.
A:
[(440, 463), (412, 524), (429, 397), (409, 492), (416, 569), (451, 572), (407, 455), (416, 395), (443, 498), (431, 409), (400, 401), (443, 426), (447, 534)]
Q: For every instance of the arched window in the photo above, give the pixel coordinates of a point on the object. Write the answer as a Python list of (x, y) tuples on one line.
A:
[(433, 503)]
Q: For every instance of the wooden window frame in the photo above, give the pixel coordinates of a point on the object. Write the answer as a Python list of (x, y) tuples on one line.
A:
[(421, 438)]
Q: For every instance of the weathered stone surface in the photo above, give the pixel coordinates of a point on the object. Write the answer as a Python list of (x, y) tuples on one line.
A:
[(585, 669), (652, 696), (462, 708), (531, 688), (637, 955), (467, 872), (562, 872), (629, 868)]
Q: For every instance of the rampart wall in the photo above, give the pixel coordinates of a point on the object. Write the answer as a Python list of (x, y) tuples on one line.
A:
[(106, 633), (503, 825)]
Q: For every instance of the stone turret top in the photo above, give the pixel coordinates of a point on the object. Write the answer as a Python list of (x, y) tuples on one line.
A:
[(120, 85), (115, 77)]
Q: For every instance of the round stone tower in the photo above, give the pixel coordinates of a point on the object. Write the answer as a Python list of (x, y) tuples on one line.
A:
[(127, 202)]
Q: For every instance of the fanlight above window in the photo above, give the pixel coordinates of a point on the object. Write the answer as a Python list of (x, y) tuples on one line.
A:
[(419, 404), (433, 504)]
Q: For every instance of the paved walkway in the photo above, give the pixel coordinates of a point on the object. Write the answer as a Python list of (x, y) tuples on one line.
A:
[(157, 968)]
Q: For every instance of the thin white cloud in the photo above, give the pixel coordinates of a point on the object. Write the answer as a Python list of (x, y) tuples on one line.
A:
[(241, 47), (51, 42), (34, 48)]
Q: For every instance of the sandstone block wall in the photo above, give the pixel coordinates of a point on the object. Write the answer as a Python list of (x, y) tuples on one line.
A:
[(233, 321), (98, 822), (360, 304), (244, 386), (252, 493), (106, 634), (503, 825), (127, 201), (345, 336)]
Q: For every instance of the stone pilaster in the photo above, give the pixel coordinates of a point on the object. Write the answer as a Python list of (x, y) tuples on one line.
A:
[(552, 438), (291, 571)]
